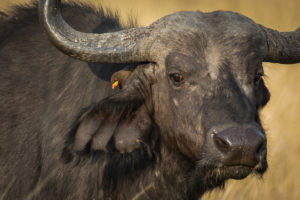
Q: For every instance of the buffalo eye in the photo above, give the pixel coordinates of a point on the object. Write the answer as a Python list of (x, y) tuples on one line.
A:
[(176, 78), (257, 78)]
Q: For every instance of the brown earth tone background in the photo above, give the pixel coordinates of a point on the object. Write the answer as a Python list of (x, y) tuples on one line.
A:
[(281, 117)]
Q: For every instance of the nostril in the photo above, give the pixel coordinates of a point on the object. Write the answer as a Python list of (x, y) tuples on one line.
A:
[(221, 143)]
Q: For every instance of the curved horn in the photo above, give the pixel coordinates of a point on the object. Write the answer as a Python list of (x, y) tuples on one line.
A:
[(117, 47), (283, 47)]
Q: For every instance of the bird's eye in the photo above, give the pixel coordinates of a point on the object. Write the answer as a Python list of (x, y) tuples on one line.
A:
[(176, 78)]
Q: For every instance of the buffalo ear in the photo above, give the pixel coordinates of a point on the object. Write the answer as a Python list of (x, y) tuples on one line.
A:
[(112, 126), (118, 124)]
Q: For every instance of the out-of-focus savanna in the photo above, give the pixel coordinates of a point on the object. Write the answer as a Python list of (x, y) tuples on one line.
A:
[(281, 117)]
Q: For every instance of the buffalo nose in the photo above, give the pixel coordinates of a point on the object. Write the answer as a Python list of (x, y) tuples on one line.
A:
[(240, 146)]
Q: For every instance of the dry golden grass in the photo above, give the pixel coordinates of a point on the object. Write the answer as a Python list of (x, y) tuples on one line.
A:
[(280, 117)]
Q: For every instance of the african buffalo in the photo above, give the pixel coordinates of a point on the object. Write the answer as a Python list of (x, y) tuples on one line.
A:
[(181, 120)]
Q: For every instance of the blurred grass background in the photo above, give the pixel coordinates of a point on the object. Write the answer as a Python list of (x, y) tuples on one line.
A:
[(281, 117)]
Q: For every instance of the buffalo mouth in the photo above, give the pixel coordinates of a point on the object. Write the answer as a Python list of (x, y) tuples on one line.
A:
[(235, 172), (216, 176)]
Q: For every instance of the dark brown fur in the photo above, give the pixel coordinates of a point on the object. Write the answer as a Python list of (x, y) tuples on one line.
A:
[(142, 152)]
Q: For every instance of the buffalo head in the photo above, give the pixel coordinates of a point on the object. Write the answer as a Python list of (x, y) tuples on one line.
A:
[(197, 90)]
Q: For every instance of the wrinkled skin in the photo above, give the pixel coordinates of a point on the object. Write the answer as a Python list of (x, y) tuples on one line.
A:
[(152, 137)]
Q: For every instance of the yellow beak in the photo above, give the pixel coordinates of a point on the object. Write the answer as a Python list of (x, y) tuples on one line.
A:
[(115, 84)]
